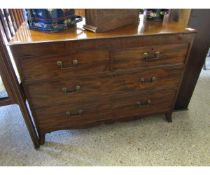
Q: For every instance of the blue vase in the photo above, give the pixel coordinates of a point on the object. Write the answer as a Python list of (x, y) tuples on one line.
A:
[(51, 20)]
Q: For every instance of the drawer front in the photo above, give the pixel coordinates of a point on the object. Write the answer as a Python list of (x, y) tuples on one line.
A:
[(83, 88), (151, 102), (83, 63), (56, 48), (60, 116), (39, 61), (101, 61), (112, 107), (149, 56)]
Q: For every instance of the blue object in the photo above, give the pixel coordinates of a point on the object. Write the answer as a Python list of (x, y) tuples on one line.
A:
[(51, 20)]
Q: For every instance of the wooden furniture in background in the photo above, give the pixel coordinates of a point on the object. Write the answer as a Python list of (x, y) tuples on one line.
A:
[(10, 21), (104, 20), (180, 15), (198, 20), (78, 78), (184, 16), (80, 12)]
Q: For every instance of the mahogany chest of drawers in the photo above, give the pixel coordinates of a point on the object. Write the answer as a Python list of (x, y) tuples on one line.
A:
[(77, 78)]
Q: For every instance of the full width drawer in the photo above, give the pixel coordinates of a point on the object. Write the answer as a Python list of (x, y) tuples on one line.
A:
[(54, 67), (69, 90), (112, 107), (148, 56)]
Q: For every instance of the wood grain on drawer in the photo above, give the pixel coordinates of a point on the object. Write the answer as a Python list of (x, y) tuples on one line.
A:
[(39, 61), (60, 116), (112, 107), (142, 104), (83, 63), (147, 56), (69, 90), (34, 50)]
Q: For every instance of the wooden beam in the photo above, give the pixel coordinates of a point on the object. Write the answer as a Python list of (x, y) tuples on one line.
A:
[(199, 21), (14, 91), (5, 101)]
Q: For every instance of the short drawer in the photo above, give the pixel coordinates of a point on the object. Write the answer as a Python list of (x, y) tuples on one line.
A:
[(141, 104), (69, 90), (82, 62), (112, 107), (149, 56), (70, 114)]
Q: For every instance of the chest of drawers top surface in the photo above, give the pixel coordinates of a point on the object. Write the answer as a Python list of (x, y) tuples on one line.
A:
[(26, 36)]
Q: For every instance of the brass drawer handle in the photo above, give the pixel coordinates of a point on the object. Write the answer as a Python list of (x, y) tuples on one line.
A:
[(149, 80), (61, 66), (74, 113), (152, 56), (144, 103), (68, 91)]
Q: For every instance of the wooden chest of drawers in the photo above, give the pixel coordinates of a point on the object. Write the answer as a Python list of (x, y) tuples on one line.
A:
[(124, 74)]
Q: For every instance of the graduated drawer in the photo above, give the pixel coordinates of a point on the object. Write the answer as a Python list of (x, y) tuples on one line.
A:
[(82, 62), (149, 56), (70, 90), (110, 107)]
